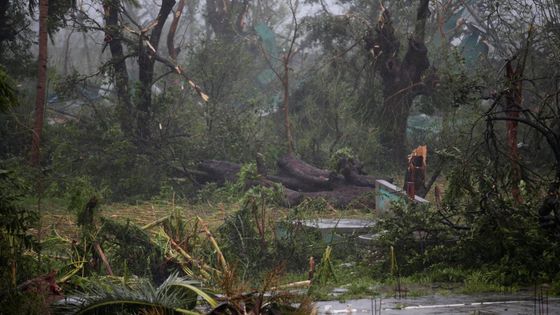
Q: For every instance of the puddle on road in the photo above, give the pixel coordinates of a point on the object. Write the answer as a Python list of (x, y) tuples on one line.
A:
[(460, 304)]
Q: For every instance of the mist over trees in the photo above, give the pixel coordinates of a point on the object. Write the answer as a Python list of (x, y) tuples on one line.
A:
[(129, 100)]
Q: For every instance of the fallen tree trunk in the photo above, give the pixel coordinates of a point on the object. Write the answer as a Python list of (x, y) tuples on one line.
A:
[(293, 183), (314, 178), (360, 180), (351, 171), (299, 180), (299, 167), (292, 198), (217, 171), (340, 197)]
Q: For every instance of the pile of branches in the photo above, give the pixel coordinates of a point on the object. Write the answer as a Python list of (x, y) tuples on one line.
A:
[(300, 180)]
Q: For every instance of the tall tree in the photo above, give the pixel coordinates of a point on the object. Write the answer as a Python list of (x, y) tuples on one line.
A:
[(136, 117), (403, 79), (514, 101), (41, 83), (147, 52), (173, 29), (113, 37), (283, 76)]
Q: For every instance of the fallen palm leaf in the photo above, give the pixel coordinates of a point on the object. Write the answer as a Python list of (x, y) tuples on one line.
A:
[(155, 223), (203, 268), (219, 254), (174, 296)]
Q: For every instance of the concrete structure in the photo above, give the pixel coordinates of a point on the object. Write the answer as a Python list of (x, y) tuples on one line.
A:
[(385, 193)]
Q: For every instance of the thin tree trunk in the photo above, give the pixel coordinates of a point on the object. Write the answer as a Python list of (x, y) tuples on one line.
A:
[(286, 80), (88, 56), (421, 16), (114, 38), (146, 60), (173, 30), (67, 52), (286, 106), (433, 179), (514, 99), (41, 83), (514, 105)]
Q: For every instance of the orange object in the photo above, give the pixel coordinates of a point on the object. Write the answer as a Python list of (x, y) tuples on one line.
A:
[(420, 151), (416, 171)]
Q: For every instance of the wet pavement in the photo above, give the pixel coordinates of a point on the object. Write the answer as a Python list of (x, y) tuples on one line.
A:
[(516, 304)]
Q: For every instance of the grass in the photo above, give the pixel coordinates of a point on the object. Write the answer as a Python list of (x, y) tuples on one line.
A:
[(482, 282), (359, 283), (54, 213), (357, 278)]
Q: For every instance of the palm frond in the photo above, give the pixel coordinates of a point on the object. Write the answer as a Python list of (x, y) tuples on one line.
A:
[(175, 295), (188, 285)]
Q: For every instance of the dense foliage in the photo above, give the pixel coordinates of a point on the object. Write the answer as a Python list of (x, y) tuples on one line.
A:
[(138, 96)]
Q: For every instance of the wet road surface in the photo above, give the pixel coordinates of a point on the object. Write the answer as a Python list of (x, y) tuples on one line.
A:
[(516, 304)]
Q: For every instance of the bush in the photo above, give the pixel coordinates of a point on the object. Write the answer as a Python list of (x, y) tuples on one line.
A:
[(476, 228), (101, 155), (15, 223)]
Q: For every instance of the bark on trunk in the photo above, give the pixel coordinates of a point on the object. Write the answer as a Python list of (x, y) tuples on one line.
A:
[(226, 17), (351, 170), (294, 183), (307, 174), (173, 29), (514, 106), (217, 171), (297, 166), (514, 99), (299, 179), (41, 84), (113, 37), (67, 58), (286, 105), (402, 80), (146, 61)]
